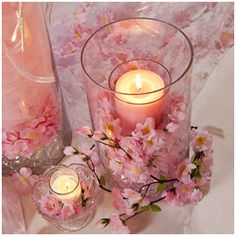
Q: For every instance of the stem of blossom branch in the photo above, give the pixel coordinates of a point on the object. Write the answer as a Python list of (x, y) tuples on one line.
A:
[(158, 200), (163, 181), (93, 170), (116, 146), (132, 216), (149, 184)]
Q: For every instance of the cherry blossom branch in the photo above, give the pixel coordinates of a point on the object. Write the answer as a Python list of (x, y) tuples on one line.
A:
[(117, 145), (136, 213), (163, 181)]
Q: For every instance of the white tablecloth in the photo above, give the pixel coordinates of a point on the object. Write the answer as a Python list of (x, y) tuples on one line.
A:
[(213, 108)]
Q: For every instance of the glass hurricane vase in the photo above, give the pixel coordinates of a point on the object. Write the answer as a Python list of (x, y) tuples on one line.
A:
[(137, 77)]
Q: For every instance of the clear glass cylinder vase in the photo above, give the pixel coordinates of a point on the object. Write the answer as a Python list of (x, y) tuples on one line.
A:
[(137, 77), (35, 126)]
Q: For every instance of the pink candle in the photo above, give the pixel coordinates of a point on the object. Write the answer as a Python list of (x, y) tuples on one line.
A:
[(136, 106)]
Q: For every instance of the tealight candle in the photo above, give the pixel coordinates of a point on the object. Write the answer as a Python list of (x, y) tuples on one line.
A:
[(65, 184), (137, 99)]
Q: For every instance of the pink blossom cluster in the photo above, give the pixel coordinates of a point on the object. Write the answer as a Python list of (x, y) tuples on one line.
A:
[(191, 183), (148, 156), (25, 138), (23, 181), (127, 201), (193, 175), (82, 31), (52, 206), (151, 150), (179, 182), (177, 112)]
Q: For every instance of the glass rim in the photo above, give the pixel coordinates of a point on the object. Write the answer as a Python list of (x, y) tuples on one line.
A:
[(138, 18), (137, 94), (57, 168)]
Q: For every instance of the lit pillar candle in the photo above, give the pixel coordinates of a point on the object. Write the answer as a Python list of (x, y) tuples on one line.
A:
[(135, 108), (65, 184)]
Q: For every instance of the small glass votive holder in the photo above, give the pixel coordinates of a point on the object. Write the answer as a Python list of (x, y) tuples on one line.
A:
[(67, 196)]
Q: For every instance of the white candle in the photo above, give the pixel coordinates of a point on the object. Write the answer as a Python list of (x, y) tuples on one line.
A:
[(136, 107), (66, 185)]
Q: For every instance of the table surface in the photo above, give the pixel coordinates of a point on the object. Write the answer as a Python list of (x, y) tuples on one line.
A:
[(213, 108)]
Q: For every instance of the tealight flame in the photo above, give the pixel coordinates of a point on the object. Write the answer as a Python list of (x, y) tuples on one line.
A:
[(138, 82)]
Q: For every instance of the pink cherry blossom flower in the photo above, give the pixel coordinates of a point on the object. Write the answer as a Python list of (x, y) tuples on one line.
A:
[(98, 135), (23, 181), (50, 205), (169, 196), (69, 151), (178, 107), (115, 165), (184, 169), (196, 195), (117, 226), (201, 140), (135, 197), (84, 131), (150, 144), (182, 19), (203, 184), (184, 191), (92, 153), (67, 211), (80, 34), (68, 49), (78, 208), (129, 211), (105, 18), (136, 171), (87, 192), (10, 136), (143, 131), (207, 162), (13, 145), (172, 127), (131, 146), (118, 201), (112, 129), (132, 196)]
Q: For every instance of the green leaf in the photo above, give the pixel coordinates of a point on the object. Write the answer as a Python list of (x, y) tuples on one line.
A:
[(145, 208), (105, 222), (160, 187), (155, 208), (102, 180), (162, 177), (86, 158), (195, 173), (135, 206), (197, 162)]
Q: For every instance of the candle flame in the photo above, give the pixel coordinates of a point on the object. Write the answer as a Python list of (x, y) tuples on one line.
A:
[(138, 82)]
